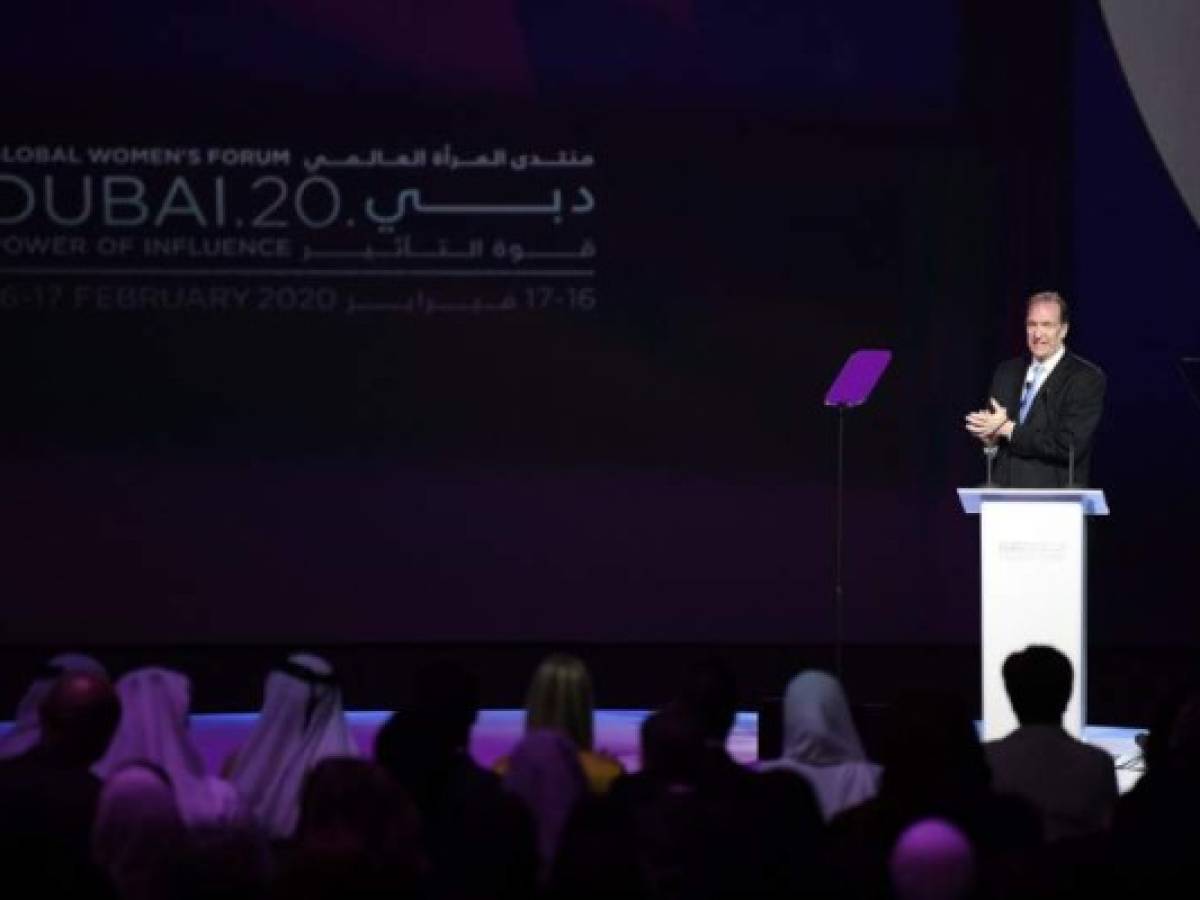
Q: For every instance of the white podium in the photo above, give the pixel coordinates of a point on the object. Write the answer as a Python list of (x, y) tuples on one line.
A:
[(1033, 588)]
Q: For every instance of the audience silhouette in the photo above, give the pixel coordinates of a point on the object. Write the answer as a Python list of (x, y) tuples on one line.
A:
[(1072, 785), (109, 797)]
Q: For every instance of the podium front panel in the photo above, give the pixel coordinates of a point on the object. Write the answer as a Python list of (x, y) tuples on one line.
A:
[(1034, 592)]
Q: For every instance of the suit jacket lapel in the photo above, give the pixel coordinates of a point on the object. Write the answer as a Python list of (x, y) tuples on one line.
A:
[(1012, 402), (1052, 383)]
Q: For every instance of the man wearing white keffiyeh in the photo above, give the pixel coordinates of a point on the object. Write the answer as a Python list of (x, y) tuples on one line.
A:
[(302, 722), (154, 728)]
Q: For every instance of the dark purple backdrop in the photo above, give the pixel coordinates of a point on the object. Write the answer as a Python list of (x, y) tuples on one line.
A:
[(778, 186)]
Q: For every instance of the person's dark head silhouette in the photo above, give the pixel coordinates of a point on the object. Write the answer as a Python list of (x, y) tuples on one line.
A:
[(1038, 680), (932, 755), (352, 806), (1183, 744), (446, 700), (78, 717), (672, 745), (710, 695)]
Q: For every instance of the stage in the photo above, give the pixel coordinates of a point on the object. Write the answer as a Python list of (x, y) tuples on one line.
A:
[(219, 734)]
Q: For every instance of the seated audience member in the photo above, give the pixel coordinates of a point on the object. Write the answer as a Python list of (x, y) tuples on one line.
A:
[(545, 774), (479, 838), (301, 723), (821, 743), (223, 863), (785, 854), (1155, 742), (733, 834), (934, 767), (718, 829), (709, 697), (26, 728), (1072, 785), (932, 860), (672, 747), (663, 802), (48, 796), (1156, 829), (426, 746), (598, 857), (560, 697), (358, 836), (138, 832), (154, 729)]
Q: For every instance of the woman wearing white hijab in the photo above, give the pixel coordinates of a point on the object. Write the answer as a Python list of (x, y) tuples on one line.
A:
[(301, 723), (27, 730), (138, 831), (154, 728), (821, 743)]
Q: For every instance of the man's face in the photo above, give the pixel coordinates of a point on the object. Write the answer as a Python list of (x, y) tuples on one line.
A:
[(1044, 329)]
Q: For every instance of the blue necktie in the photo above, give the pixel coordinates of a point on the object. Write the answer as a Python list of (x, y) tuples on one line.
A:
[(1031, 384)]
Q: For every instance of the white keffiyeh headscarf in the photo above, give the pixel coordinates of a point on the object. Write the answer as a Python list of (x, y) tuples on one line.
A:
[(302, 722), (26, 732), (154, 728)]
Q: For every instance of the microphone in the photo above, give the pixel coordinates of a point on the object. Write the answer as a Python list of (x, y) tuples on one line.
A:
[(989, 452), (1071, 464)]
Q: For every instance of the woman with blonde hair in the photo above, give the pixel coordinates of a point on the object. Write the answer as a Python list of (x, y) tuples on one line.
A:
[(560, 698)]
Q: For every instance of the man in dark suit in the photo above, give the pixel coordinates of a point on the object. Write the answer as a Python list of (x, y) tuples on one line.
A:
[(1072, 785), (1044, 408)]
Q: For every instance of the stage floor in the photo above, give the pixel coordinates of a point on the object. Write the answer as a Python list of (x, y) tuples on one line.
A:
[(497, 730)]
